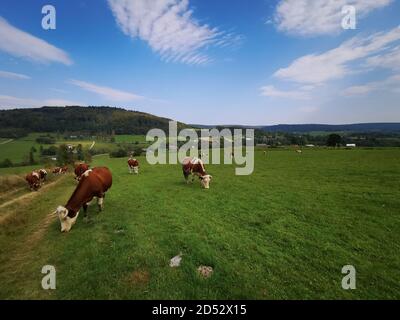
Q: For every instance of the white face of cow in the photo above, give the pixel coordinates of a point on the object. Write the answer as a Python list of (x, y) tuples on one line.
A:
[(66, 222), (205, 181)]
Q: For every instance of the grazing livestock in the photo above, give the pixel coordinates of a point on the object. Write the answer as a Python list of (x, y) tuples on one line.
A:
[(80, 169), (57, 170), (195, 167), (93, 183), (133, 165), (298, 151), (42, 175), (33, 180), (64, 169)]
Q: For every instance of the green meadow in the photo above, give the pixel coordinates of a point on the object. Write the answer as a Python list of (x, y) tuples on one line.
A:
[(18, 150), (284, 232)]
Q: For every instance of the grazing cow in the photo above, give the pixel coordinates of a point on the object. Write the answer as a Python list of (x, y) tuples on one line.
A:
[(133, 165), (33, 180), (80, 169), (42, 175), (93, 183), (298, 151), (195, 167), (64, 169), (57, 170)]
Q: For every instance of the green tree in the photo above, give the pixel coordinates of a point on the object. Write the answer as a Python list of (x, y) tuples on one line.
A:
[(7, 163), (79, 152), (31, 158), (333, 140)]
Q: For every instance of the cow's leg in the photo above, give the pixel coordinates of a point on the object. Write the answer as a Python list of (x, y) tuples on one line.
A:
[(100, 202), (186, 175), (85, 212)]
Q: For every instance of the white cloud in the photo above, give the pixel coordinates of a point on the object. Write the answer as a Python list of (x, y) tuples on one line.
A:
[(390, 83), (12, 75), (22, 44), (335, 64), (106, 92), (317, 17), (271, 91), (390, 60), (169, 29), (17, 102)]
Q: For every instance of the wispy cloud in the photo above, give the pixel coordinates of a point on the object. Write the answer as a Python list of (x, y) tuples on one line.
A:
[(271, 91), (21, 44), (389, 60), (106, 92), (169, 29), (335, 64), (318, 17), (7, 102), (390, 83), (12, 75)]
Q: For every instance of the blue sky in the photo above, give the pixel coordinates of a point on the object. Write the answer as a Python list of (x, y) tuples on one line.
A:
[(210, 62)]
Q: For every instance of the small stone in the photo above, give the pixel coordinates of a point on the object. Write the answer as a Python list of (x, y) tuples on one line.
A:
[(176, 261)]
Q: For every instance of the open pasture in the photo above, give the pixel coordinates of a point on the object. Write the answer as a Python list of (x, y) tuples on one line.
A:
[(17, 150), (284, 232)]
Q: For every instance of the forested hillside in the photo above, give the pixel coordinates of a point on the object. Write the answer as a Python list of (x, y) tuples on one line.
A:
[(89, 120)]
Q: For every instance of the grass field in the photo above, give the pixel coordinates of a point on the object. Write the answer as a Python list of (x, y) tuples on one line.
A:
[(283, 232), (130, 138), (18, 149)]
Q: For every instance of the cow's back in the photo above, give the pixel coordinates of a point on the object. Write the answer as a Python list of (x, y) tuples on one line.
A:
[(101, 178), (133, 162)]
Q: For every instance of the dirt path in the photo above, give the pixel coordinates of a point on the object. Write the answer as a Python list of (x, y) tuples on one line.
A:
[(4, 142), (10, 193), (28, 197)]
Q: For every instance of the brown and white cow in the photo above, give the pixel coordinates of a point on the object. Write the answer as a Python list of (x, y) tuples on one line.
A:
[(133, 165), (93, 183), (33, 180), (42, 175), (56, 170), (80, 169), (64, 169), (195, 167)]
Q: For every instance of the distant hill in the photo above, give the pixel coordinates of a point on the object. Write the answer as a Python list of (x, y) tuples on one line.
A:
[(303, 128), (357, 127), (78, 119)]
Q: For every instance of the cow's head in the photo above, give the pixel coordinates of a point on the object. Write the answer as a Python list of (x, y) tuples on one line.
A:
[(205, 181), (66, 221)]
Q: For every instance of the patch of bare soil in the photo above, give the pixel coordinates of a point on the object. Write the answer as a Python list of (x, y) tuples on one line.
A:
[(139, 278)]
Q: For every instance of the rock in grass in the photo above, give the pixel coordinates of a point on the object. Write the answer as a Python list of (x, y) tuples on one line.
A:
[(176, 261), (205, 271)]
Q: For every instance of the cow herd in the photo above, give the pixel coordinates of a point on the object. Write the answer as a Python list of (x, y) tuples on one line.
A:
[(95, 182)]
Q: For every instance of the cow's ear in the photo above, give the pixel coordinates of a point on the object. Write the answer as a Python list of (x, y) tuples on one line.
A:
[(210, 177)]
